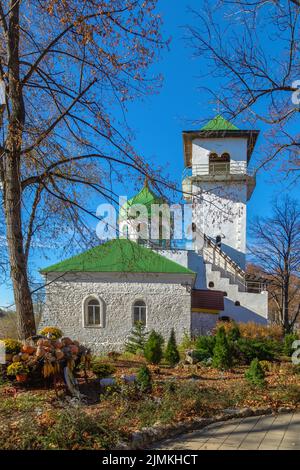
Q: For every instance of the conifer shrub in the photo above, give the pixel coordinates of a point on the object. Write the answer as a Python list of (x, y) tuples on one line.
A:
[(255, 375), (234, 333), (135, 343), (246, 349), (102, 370), (186, 343), (288, 343), (222, 355), (171, 354), (144, 379), (153, 348), (205, 347)]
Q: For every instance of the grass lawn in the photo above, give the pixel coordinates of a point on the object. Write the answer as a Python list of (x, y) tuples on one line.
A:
[(38, 419)]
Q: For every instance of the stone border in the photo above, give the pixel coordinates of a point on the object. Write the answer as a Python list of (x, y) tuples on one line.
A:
[(147, 436)]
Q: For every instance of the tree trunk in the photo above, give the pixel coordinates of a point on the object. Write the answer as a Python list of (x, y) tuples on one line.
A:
[(12, 183), (286, 319), (23, 302)]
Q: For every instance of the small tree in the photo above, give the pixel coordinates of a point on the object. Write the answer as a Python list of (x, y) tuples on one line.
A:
[(172, 354), (234, 333), (153, 348), (222, 354), (255, 375), (144, 379), (135, 343)]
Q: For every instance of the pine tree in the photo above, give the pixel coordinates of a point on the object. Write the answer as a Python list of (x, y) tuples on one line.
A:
[(153, 348), (144, 379), (135, 343), (172, 354), (222, 358), (255, 374)]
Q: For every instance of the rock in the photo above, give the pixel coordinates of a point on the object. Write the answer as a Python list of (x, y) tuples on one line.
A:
[(232, 411), (137, 439), (129, 378), (109, 382), (284, 409), (190, 357)]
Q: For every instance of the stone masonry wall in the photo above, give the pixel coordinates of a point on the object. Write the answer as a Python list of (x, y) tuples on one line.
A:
[(203, 323), (168, 305)]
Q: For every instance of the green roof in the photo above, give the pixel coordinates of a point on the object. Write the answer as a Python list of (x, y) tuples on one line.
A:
[(145, 197), (119, 255), (218, 123)]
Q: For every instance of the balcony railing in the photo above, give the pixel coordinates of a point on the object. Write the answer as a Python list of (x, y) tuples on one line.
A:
[(217, 168)]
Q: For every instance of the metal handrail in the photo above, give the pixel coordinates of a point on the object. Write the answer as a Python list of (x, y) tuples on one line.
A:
[(242, 281), (232, 263), (217, 168)]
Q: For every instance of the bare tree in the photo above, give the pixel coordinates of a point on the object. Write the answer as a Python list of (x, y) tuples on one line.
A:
[(276, 250), (252, 51), (68, 68)]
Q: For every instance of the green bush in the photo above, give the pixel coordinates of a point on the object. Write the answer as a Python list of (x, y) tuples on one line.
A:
[(201, 355), (186, 343), (153, 348), (255, 375), (205, 347), (144, 379), (234, 333), (246, 349), (222, 355), (135, 343), (102, 370), (12, 346), (288, 343), (171, 353)]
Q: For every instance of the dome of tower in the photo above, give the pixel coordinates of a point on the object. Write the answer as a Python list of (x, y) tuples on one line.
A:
[(145, 197)]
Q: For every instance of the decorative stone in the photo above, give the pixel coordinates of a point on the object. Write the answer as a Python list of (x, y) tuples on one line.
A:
[(129, 378), (190, 357), (108, 382)]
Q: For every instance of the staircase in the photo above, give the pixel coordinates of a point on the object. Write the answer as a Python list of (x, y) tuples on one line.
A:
[(219, 262), (223, 274)]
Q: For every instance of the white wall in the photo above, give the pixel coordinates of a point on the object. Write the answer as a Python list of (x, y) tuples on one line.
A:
[(168, 304), (222, 208), (222, 211), (236, 147)]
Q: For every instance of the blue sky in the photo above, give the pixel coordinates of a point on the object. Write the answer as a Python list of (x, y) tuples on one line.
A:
[(159, 120)]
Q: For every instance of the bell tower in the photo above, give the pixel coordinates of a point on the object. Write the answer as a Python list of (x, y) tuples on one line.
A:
[(218, 182)]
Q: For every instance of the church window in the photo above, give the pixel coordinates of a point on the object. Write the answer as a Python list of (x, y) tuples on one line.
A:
[(225, 157), (213, 156), (139, 312), (93, 312)]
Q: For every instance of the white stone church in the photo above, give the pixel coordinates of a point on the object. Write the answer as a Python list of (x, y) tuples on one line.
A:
[(97, 296)]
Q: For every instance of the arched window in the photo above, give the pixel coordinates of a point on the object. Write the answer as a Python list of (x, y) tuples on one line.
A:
[(225, 157), (139, 312), (213, 157), (93, 312), (219, 164)]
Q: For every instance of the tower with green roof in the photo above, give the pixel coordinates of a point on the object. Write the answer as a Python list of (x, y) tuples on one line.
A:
[(218, 181), (142, 210)]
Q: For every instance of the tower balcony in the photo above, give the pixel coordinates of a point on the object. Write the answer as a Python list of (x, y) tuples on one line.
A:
[(233, 171)]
